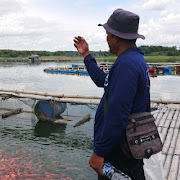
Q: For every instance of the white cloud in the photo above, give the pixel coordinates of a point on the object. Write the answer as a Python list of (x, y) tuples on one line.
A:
[(163, 30), (41, 25), (156, 4)]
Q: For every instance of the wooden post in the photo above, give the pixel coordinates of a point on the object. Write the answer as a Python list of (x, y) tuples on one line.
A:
[(11, 113), (83, 120)]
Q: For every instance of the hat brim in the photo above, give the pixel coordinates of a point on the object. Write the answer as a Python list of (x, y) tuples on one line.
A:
[(128, 36)]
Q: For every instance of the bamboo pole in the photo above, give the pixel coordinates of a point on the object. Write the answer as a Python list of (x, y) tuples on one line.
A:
[(78, 96), (174, 168), (10, 109), (175, 157), (177, 148), (11, 113), (65, 100), (167, 165), (165, 101), (178, 176), (163, 119), (173, 142), (175, 117), (163, 158), (167, 141), (159, 116), (50, 94), (83, 120)]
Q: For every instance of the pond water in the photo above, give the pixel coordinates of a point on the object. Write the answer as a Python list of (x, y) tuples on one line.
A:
[(37, 150)]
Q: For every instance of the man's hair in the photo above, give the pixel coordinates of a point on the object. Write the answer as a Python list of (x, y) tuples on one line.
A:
[(132, 41)]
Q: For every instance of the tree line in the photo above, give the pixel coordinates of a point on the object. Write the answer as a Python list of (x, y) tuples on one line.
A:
[(148, 50)]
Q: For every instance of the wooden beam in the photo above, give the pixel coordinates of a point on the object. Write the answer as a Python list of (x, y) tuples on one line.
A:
[(12, 112), (83, 120)]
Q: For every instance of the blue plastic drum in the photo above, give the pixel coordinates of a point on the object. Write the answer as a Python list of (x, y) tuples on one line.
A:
[(49, 110)]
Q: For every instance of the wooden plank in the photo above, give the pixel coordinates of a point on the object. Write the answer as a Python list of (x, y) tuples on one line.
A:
[(12, 112), (170, 114), (167, 165), (175, 117), (167, 123), (167, 141), (155, 113), (163, 101), (10, 109), (177, 148), (163, 158), (163, 118), (83, 120), (159, 116), (173, 173), (178, 176), (178, 121), (173, 141), (164, 134)]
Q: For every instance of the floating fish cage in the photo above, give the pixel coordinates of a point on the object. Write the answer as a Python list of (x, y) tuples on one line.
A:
[(49, 107), (154, 69), (75, 69)]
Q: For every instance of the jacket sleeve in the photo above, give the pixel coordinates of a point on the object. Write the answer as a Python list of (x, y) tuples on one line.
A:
[(96, 74), (120, 92)]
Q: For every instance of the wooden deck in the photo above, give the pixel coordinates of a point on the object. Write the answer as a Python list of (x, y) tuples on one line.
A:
[(168, 122)]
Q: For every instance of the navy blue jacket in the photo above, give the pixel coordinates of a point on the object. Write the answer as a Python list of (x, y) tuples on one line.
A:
[(126, 88)]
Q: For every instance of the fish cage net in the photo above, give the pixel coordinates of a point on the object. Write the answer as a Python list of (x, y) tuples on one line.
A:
[(44, 110)]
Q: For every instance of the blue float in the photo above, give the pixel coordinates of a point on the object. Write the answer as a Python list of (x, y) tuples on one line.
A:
[(49, 110), (167, 70)]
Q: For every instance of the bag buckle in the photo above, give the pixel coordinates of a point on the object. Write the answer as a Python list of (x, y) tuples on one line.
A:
[(134, 124)]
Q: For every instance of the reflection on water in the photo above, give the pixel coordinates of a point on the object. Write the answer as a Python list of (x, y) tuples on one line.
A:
[(166, 87), (40, 150), (45, 129)]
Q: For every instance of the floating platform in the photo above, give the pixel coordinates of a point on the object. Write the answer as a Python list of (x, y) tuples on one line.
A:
[(154, 69), (75, 69)]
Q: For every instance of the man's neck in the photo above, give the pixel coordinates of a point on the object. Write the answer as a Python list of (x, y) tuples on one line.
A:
[(124, 47)]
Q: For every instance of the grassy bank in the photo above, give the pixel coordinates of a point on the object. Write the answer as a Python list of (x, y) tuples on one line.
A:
[(151, 59), (160, 59)]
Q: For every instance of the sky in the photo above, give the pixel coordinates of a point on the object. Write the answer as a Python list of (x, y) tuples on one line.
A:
[(51, 25)]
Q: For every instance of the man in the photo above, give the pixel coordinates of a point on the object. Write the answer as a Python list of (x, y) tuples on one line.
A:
[(126, 91)]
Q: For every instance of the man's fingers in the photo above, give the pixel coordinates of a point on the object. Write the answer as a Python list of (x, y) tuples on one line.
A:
[(79, 39), (75, 45)]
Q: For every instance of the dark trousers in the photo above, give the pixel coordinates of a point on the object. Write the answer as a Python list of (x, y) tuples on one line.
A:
[(136, 174), (131, 167)]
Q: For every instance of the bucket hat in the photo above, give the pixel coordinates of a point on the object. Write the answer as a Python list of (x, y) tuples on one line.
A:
[(123, 24)]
